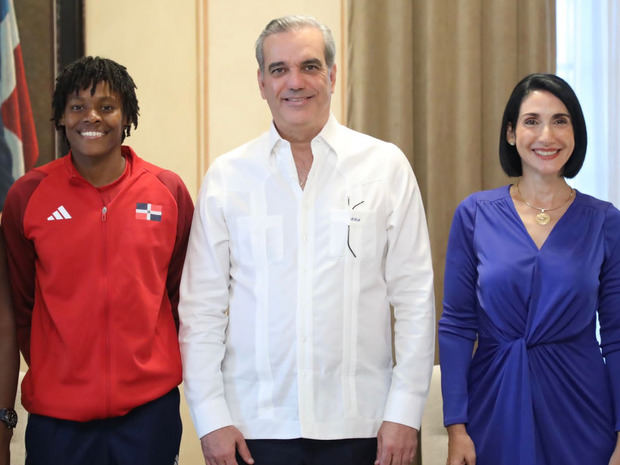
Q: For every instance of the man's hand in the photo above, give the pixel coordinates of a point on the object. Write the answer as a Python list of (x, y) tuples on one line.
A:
[(461, 449), (396, 444), (219, 447)]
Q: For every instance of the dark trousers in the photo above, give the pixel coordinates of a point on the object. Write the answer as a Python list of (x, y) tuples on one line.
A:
[(312, 452), (148, 435)]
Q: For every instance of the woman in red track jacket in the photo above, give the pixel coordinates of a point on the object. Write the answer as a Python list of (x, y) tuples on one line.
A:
[(96, 242)]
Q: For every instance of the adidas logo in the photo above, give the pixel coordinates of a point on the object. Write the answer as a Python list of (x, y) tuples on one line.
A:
[(60, 213)]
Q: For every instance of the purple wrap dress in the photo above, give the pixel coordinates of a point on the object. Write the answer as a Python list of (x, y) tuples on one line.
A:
[(539, 390)]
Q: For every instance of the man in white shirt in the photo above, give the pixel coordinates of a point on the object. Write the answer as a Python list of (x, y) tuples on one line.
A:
[(301, 241)]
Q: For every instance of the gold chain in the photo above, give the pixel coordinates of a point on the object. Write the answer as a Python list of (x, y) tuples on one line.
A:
[(542, 217)]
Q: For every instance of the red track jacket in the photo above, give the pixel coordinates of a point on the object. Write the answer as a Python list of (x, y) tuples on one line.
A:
[(95, 278)]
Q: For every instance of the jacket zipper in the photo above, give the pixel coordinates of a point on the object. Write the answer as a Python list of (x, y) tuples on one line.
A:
[(108, 368)]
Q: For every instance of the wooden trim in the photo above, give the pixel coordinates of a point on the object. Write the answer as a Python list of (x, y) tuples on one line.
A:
[(344, 59), (202, 159)]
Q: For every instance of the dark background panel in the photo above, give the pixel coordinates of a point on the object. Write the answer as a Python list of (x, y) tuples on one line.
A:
[(51, 35)]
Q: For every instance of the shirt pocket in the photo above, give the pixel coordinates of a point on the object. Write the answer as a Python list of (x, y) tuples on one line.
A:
[(353, 232), (260, 238), (362, 234)]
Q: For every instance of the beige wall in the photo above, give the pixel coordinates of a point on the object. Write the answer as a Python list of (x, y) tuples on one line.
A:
[(196, 75)]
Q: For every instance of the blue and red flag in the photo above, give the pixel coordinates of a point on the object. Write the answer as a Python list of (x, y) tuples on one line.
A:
[(148, 211), (18, 140)]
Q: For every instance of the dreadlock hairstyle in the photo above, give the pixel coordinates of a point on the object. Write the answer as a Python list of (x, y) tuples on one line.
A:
[(88, 72)]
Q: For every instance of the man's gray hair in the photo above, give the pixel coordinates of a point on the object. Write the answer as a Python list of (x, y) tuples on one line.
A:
[(295, 23)]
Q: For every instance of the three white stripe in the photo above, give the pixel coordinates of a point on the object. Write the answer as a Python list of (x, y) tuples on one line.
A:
[(60, 214)]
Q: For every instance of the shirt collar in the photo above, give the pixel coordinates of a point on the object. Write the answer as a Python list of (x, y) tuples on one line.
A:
[(328, 135)]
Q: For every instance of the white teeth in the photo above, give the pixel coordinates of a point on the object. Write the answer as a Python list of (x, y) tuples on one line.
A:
[(92, 134), (546, 153)]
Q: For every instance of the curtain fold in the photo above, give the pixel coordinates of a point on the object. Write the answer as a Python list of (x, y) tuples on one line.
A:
[(433, 76)]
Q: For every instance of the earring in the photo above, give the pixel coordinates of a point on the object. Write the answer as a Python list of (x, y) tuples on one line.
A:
[(511, 142)]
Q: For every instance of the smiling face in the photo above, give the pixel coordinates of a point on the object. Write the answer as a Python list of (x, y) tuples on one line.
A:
[(94, 123), (543, 134), (297, 83)]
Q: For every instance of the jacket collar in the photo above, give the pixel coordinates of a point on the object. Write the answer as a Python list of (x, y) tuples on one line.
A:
[(134, 163)]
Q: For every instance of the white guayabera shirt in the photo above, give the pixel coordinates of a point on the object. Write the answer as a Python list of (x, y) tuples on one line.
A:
[(285, 296)]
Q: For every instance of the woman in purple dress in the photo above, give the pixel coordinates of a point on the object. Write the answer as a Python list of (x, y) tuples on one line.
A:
[(529, 267)]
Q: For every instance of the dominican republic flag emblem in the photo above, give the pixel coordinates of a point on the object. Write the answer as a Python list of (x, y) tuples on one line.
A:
[(148, 212)]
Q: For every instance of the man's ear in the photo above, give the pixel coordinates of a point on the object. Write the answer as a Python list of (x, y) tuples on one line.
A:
[(261, 82), (332, 77)]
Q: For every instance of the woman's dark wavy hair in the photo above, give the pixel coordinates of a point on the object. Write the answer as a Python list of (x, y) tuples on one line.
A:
[(88, 72), (508, 155)]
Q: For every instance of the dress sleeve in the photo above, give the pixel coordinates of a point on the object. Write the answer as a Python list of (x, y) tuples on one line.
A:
[(458, 325), (185, 210), (609, 306)]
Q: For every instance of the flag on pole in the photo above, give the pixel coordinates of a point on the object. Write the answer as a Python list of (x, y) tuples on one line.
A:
[(19, 140)]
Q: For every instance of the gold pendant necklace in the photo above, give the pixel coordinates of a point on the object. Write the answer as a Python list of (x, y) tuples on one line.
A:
[(542, 217)]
